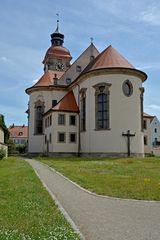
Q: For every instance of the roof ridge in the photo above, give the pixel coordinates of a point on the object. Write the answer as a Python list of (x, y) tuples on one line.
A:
[(109, 58)]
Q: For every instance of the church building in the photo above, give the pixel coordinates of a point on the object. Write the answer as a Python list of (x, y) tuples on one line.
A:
[(92, 107)]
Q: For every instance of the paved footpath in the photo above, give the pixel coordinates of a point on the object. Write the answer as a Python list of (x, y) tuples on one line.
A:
[(102, 218)]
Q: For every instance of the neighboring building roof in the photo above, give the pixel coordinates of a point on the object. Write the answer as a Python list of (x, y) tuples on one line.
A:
[(57, 51), (18, 131), (48, 78), (109, 58), (146, 115), (67, 103)]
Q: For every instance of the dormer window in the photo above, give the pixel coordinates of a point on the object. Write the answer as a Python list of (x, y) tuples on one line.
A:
[(20, 133), (91, 58), (78, 68), (68, 81)]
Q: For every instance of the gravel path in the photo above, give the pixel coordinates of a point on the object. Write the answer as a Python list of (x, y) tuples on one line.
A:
[(100, 218)]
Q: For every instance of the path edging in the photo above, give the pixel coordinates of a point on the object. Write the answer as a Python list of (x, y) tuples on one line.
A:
[(63, 211), (95, 194)]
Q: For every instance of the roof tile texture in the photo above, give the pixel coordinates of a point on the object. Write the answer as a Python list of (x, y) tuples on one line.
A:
[(109, 58), (48, 78), (67, 103), (18, 131)]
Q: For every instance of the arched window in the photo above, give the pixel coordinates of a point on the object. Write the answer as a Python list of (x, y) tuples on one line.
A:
[(102, 110), (39, 110), (102, 106), (83, 109)]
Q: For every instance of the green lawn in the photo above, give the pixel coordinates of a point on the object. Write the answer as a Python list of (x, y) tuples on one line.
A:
[(27, 212), (136, 178)]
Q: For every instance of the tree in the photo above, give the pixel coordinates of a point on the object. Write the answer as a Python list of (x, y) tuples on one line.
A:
[(5, 129), (11, 146)]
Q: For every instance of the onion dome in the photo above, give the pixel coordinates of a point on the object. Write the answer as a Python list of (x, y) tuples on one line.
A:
[(57, 50)]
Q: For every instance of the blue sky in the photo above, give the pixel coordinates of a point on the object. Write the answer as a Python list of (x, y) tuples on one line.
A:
[(132, 27)]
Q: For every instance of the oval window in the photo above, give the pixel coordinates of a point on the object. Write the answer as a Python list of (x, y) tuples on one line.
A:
[(127, 88)]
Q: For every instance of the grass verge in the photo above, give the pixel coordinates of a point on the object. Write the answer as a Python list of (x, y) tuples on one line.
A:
[(135, 178), (26, 209)]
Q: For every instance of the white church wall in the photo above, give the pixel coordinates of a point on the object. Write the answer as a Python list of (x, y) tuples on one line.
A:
[(55, 146), (125, 114), (35, 143)]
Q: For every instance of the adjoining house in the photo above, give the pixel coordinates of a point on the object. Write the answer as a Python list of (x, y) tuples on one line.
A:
[(2, 143), (93, 107), (18, 134), (151, 134)]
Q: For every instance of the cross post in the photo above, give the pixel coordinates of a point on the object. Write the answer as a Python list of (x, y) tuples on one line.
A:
[(128, 135)]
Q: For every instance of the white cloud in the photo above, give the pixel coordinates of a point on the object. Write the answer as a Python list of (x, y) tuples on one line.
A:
[(151, 16), (153, 65), (154, 107), (5, 60), (153, 110)]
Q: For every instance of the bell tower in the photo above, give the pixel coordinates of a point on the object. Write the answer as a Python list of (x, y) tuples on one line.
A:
[(57, 57)]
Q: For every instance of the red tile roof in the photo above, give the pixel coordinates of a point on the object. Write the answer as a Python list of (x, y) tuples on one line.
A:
[(18, 131), (109, 58), (57, 51), (67, 103), (47, 78)]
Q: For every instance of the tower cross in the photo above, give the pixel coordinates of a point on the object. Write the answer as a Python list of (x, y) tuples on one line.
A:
[(128, 135)]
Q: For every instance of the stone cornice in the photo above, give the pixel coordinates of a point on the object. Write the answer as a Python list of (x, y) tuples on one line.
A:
[(116, 70), (83, 76), (46, 88)]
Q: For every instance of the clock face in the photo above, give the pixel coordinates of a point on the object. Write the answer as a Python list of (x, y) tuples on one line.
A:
[(59, 66)]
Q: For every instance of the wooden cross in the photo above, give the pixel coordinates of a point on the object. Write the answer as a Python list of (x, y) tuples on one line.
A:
[(128, 135)]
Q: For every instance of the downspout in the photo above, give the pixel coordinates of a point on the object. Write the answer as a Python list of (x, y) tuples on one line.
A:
[(79, 126), (28, 115)]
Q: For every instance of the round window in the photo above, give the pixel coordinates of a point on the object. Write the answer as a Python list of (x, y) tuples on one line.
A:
[(127, 88)]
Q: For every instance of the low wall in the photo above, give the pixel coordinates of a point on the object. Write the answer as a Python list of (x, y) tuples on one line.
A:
[(156, 151)]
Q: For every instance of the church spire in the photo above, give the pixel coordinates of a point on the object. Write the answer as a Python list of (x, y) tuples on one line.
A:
[(57, 38), (57, 29)]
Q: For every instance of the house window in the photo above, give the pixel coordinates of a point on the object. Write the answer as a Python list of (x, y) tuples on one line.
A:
[(83, 109), (91, 58), (68, 81), (50, 120), (39, 110), (145, 140), (23, 141), (72, 137), (45, 122), (102, 106), (155, 130), (145, 124), (54, 102), (61, 137), (20, 133), (78, 68), (61, 119), (50, 138), (72, 120), (45, 139)]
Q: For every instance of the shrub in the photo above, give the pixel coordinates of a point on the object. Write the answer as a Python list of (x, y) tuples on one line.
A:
[(11, 146), (2, 153), (21, 148)]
